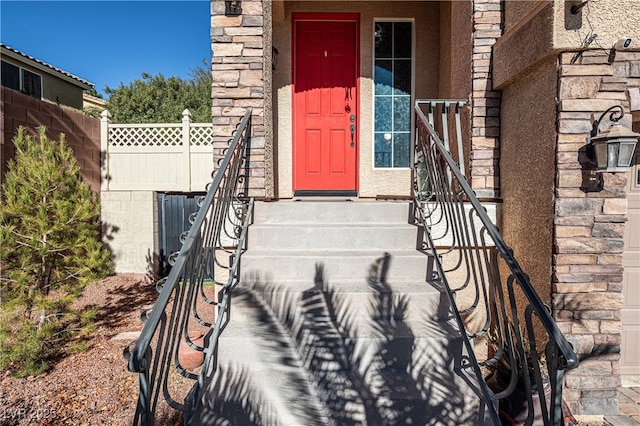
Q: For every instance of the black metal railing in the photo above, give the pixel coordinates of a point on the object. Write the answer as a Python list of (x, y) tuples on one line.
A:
[(514, 348), (176, 349)]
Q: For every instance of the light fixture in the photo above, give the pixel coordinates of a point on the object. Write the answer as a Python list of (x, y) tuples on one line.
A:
[(623, 43), (612, 149), (233, 7)]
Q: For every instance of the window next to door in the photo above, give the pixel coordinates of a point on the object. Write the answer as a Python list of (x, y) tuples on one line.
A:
[(393, 76), (22, 80)]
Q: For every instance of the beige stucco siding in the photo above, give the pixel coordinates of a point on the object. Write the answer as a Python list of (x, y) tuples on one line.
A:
[(527, 165), (535, 30), (455, 50), (61, 92), (609, 19), (514, 11), (426, 16)]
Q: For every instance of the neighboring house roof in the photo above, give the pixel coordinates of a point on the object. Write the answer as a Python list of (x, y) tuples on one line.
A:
[(92, 101), (43, 66)]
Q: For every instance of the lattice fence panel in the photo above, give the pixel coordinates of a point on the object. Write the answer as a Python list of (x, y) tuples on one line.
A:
[(201, 134), (145, 136)]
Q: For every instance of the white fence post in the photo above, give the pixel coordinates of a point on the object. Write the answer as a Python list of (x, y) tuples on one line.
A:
[(105, 175), (186, 145)]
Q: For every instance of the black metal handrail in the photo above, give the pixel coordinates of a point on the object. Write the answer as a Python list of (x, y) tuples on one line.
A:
[(515, 349), (176, 349)]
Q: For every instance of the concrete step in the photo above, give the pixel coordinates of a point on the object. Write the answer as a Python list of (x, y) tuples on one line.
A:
[(364, 306), (323, 212), (338, 265), (333, 323), (332, 236), (303, 369)]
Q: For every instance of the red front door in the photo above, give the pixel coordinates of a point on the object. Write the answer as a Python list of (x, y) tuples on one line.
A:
[(325, 103)]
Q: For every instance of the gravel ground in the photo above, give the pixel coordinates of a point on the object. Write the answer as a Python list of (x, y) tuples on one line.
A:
[(93, 387)]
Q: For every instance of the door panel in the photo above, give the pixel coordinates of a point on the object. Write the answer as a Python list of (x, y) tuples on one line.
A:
[(325, 97), (338, 160), (630, 313), (312, 152)]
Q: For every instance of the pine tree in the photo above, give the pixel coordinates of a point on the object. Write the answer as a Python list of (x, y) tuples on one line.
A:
[(49, 248)]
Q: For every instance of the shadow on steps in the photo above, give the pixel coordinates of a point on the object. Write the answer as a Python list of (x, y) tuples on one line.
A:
[(315, 356)]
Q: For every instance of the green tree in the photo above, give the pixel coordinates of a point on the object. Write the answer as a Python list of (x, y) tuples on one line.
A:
[(156, 99), (49, 250), (93, 92)]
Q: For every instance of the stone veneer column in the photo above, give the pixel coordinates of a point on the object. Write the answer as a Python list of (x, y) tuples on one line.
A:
[(485, 102), (238, 69), (590, 214)]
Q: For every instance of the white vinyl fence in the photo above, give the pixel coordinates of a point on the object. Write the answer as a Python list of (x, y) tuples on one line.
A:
[(156, 157)]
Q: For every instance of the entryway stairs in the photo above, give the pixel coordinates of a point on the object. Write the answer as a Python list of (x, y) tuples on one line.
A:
[(333, 323)]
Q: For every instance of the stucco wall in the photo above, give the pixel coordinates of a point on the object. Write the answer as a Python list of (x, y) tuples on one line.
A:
[(455, 50), (609, 19), (61, 92), (527, 165), (524, 45), (427, 29), (535, 30), (514, 11)]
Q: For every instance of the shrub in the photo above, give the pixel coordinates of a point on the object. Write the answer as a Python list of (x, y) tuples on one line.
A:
[(49, 250)]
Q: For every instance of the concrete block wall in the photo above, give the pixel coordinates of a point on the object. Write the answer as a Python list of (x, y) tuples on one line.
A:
[(82, 132), (130, 229), (590, 215)]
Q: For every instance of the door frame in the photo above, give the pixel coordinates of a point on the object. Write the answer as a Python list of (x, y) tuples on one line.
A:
[(328, 17)]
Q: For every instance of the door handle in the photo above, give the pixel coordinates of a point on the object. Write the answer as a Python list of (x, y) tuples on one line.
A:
[(353, 135)]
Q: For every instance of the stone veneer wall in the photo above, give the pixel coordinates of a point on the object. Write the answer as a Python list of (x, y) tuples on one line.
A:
[(485, 101), (238, 67), (589, 223)]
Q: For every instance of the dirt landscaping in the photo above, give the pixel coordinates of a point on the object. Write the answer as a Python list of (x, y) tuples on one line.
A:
[(93, 387)]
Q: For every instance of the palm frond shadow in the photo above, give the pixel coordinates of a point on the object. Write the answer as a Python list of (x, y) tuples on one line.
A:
[(235, 401), (343, 367)]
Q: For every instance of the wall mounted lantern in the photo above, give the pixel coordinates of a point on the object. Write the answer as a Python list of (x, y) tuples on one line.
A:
[(233, 7), (613, 149)]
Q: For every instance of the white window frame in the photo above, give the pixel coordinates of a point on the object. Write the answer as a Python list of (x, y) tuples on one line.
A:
[(373, 91)]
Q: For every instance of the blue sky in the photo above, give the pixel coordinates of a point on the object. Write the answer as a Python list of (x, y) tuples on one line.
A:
[(109, 42)]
